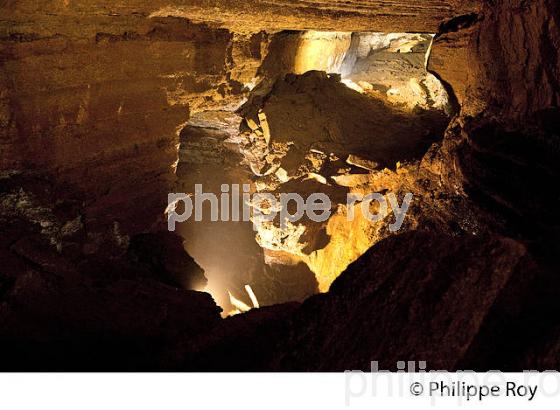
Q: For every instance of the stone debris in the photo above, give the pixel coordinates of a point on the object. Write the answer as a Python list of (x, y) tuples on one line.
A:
[(362, 163)]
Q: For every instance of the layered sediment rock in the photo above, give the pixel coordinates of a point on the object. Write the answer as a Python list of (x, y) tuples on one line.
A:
[(325, 15), (509, 104), (100, 115), (90, 118), (93, 98), (504, 60)]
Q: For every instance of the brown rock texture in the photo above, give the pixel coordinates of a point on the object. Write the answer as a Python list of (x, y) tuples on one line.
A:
[(100, 115), (504, 59), (508, 95), (247, 16), (323, 137), (67, 307), (325, 15), (405, 299), (94, 102)]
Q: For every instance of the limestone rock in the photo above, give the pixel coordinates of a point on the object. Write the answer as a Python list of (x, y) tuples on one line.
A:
[(377, 312)]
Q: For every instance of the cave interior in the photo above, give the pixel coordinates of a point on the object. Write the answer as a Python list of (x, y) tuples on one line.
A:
[(108, 107)]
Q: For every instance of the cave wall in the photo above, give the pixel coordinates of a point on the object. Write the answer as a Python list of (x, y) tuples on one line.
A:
[(502, 66), (500, 155), (324, 15), (91, 105), (502, 60), (93, 97), (487, 297), (95, 103), (94, 94)]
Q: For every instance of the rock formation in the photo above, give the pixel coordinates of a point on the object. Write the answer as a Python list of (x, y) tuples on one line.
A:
[(107, 107)]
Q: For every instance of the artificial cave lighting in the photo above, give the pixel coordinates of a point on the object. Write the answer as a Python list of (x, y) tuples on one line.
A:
[(302, 131), (323, 51), (277, 186)]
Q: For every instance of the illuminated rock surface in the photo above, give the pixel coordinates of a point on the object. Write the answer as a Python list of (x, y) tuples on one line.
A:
[(106, 107)]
